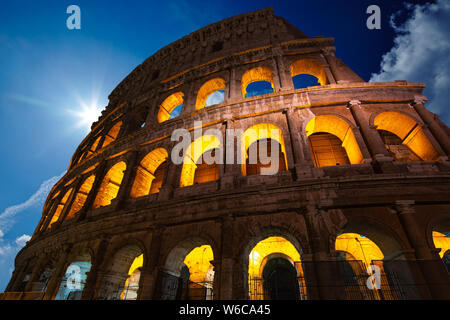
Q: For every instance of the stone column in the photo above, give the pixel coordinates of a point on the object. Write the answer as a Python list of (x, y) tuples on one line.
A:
[(128, 179), (35, 273), (52, 287), (433, 270), (369, 133), (171, 179), (188, 100), (235, 91), (226, 262), (149, 273), (303, 167), (231, 168), (99, 175), (427, 117), (328, 282), (282, 71), (95, 273)]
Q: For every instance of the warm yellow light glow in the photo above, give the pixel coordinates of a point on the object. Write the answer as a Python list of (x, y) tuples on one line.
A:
[(81, 196), (207, 89), (341, 129), (441, 241), (60, 207), (112, 134), (409, 132), (256, 74), (110, 185), (258, 132), (132, 282), (308, 66), (145, 174), (258, 258), (193, 153), (170, 103), (198, 262), (360, 248)]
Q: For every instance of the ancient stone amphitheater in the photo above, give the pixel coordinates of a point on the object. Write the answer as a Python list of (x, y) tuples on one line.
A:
[(358, 207)]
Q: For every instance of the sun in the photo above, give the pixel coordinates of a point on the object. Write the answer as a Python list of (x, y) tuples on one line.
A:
[(86, 115)]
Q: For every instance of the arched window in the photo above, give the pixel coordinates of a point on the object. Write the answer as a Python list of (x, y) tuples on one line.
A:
[(94, 146), (189, 269), (404, 138), (442, 241), (150, 173), (121, 278), (275, 271), (327, 150), (210, 93), (112, 134), (323, 146), (60, 207), (171, 107), (81, 196), (197, 154), (307, 72), (110, 185), (263, 79), (74, 279), (263, 150)]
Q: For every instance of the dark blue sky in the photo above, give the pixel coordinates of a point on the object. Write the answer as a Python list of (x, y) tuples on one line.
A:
[(47, 70)]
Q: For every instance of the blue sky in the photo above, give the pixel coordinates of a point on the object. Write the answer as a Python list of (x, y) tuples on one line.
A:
[(47, 73)]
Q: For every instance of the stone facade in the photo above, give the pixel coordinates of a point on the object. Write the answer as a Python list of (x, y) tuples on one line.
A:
[(397, 204)]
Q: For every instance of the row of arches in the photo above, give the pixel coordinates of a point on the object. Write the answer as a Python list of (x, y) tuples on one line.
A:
[(275, 270), (330, 138), (255, 81)]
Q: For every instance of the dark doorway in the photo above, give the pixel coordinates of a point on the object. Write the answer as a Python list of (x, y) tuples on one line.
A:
[(280, 280)]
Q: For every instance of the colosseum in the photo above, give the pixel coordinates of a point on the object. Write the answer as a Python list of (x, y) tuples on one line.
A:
[(357, 207)]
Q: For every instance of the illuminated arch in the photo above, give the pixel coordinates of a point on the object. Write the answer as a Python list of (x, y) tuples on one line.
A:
[(196, 149), (112, 134), (190, 261), (121, 278), (110, 185), (81, 196), (359, 248), (80, 266), (150, 173), (340, 128), (208, 88), (169, 105), (256, 74), (93, 147), (441, 241), (309, 66), (257, 132), (60, 207), (271, 248), (409, 132)]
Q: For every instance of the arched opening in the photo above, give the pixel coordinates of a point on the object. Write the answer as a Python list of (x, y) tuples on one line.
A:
[(112, 134), (74, 279), (325, 148), (81, 197), (189, 273), (275, 271), (263, 76), (264, 147), (204, 154), (372, 264), (171, 107), (210, 93), (121, 279), (263, 150), (442, 241), (60, 207), (110, 185), (305, 80), (150, 173), (404, 137), (307, 67), (92, 149)]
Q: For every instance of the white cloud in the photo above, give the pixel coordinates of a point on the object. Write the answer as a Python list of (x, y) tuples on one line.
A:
[(8, 247), (22, 240), (421, 53), (37, 199)]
